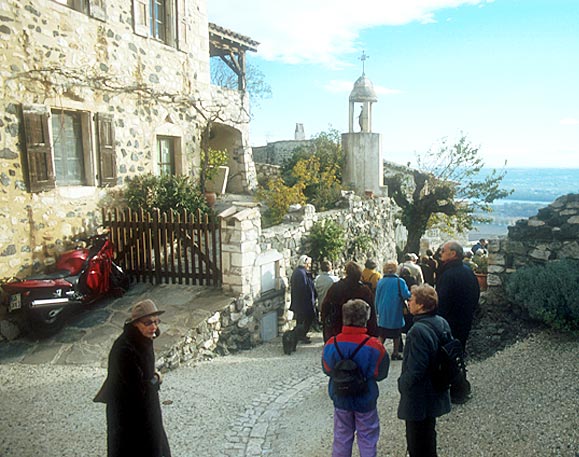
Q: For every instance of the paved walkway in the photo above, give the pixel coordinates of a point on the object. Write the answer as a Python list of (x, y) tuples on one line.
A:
[(90, 333)]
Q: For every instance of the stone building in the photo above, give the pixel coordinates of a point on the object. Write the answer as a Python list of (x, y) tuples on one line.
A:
[(96, 91)]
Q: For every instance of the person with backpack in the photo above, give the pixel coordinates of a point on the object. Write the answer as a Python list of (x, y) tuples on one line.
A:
[(355, 361), (371, 276), (391, 294), (420, 401)]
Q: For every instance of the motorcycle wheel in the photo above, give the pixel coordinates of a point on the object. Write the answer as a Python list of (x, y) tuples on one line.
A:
[(43, 323)]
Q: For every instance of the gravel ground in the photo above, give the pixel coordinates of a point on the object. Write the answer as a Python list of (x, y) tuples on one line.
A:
[(260, 402)]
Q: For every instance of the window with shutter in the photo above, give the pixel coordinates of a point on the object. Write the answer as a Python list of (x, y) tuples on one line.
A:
[(39, 165), (141, 17), (182, 26), (106, 148)]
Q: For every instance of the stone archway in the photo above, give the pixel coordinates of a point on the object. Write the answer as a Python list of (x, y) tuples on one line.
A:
[(242, 176)]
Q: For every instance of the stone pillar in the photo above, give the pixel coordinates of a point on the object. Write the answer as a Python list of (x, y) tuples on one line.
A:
[(240, 234)]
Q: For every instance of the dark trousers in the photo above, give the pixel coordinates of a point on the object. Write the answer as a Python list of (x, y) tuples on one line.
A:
[(421, 437), (305, 321)]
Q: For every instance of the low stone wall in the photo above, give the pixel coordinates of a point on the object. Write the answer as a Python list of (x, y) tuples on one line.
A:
[(358, 216), (550, 235), (236, 327)]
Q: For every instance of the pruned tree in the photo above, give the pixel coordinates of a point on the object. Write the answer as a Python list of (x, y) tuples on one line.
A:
[(447, 187)]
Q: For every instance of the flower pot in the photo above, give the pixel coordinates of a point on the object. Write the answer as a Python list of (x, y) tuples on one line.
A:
[(482, 280)]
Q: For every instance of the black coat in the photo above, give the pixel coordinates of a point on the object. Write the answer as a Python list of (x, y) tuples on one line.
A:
[(418, 398), (338, 294), (134, 421), (458, 295), (303, 293)]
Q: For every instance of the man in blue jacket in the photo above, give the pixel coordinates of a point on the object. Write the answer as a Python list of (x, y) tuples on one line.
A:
[(356, 413)]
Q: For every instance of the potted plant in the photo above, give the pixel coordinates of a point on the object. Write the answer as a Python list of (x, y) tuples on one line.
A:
[(481, 270), (211, 161)]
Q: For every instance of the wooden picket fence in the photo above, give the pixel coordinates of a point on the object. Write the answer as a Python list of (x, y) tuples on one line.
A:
[(173, 247)]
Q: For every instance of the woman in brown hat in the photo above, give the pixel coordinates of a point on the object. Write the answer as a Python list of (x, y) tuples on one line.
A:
[(134, 421)]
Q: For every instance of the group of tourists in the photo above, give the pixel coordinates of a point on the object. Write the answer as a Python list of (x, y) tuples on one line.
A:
[(364, 308), (357, 314)]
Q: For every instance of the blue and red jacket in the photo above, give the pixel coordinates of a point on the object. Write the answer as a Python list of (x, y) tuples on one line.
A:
[(371, 358)]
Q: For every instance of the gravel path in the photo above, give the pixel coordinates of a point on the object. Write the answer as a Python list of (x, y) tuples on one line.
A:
[(261, 402)]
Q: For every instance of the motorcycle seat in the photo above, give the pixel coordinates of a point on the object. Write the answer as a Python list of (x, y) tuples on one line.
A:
[(53, 275)]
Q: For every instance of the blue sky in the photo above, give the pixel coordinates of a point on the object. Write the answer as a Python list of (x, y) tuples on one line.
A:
[(503, 72)]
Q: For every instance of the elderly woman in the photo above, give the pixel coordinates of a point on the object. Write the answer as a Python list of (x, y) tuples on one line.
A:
[(420, 403), (303, 297), (134, 421), (371, 276), (391, 293), (346, 289)]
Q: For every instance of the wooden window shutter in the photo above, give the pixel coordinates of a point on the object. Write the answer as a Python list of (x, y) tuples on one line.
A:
[(38, 148), (97, 9), (141, 17), (106, 148), (183, 31)]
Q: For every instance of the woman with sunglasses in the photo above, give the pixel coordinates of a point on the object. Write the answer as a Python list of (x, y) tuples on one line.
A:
[(134, 421)]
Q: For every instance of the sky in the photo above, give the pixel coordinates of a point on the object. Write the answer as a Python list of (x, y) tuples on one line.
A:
[(505, 73)]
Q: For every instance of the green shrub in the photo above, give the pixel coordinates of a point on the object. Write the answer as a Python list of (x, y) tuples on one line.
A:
[(549, 293), (327, 240), (166, 192)]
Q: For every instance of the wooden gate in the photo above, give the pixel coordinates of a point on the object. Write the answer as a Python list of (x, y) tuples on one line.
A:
[(173, 247)]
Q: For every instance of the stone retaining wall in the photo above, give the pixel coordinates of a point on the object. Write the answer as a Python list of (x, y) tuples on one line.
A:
[(550, 235), (235, 327)]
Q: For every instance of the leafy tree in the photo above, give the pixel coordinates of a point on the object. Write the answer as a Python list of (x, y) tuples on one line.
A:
[(447, 188), (278, 197), (319, 167)]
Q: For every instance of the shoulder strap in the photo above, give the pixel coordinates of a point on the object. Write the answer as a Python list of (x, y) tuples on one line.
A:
[(440, 335), (355, 350)]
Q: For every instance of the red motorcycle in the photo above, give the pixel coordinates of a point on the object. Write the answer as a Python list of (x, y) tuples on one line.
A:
[(81, 277)]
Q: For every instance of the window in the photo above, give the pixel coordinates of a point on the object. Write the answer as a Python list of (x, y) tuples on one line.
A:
[(158, 18), (67, 145), (93, 8), (163, 20), (166, 155), (59, 148), (78, 5)]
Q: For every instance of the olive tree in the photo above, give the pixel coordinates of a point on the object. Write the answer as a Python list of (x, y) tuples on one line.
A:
[(446, 187)]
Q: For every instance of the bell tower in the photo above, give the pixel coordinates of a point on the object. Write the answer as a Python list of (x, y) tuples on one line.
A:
[(363, 167)]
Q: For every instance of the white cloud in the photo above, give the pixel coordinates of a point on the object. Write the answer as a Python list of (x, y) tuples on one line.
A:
[(569, 121), (319, 31)]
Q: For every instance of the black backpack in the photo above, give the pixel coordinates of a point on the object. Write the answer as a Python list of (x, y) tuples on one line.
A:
[(347, 375), (448, 364)]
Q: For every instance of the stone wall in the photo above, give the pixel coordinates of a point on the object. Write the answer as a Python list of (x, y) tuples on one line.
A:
[(275, 153), (56, 58), (550, 235), (238, 326)]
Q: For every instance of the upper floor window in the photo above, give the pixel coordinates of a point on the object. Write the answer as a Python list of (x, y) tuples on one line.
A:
[(94, 8), (79, 5), (158, 20), (163, 20)]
